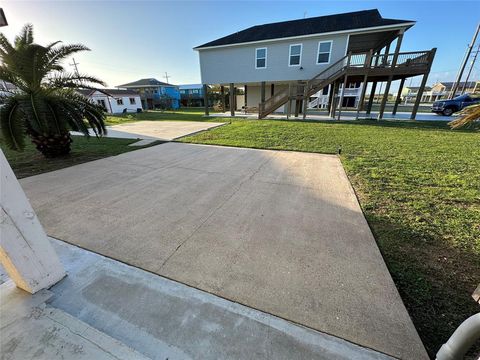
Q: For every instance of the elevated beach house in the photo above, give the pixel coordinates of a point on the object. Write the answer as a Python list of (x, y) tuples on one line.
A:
[(280, 65), (155, 94)]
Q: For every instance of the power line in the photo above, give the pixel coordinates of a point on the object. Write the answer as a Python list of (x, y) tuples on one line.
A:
[(471, 68)]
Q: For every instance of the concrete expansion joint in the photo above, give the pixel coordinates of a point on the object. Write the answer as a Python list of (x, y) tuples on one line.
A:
[(250, 177)]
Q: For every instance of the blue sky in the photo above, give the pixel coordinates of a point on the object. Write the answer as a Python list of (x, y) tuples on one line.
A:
[(133, 39)]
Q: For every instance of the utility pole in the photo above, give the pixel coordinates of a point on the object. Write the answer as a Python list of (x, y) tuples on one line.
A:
[(75, 65), (464, 62), (471, 68), (166, 77)]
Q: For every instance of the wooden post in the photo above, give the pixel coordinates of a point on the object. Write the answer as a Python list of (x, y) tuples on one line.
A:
[(222, 98), (344, 87), (297, 101), (305, 101), (372, 96), (232, 99), (245, 96), (362, 95), (333, 107), (399, 96), (289, 102), (25, 251), (272, 89), (330, 97), (422, 85), (262, 92), (205, 98)]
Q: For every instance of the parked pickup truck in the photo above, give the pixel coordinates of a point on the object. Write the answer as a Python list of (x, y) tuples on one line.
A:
[(448, 107)]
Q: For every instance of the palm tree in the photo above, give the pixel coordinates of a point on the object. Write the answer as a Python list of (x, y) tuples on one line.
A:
[(44, 105), (470, 116)]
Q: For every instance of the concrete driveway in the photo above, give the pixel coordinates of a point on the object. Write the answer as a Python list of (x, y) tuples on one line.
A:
[(281, 232), (157, 130)]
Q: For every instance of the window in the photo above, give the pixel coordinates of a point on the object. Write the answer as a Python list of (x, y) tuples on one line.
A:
[(120, 101), (194, 91), (324, 49), (132, 101), (261, 58), (295, 56)]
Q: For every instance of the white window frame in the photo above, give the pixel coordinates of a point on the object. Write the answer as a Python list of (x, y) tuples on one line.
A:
[(329, 53), (256, 58), (119, 101), (132, 101), (290, 54)]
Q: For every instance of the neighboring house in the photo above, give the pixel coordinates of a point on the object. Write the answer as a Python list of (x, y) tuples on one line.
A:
[(114, 101), (441, 91), (286, 62), (351, 96), (409, 93), (155, 94), (191, 95)]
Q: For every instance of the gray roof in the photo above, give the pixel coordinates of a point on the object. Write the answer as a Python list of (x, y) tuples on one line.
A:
[(315, 25), (145, 83)]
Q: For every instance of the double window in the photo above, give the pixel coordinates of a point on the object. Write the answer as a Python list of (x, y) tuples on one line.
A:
[(261, 58), (295, 55), (324, 50), (132, 101), (120, 101)]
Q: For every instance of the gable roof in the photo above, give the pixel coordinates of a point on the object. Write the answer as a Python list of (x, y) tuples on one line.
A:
[(315, 25), (427, 88), (145, 83)]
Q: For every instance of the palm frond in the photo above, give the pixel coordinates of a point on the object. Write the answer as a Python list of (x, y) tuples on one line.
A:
[(74, 81), (11, 124), (57, 54), (469, 117)]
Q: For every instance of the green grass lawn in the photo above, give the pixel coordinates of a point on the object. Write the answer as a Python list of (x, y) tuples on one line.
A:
[(30, 162), (186, 114), (419, 187)]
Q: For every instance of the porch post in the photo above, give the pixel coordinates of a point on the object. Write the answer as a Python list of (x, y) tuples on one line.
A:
[(333, 108), (272, 90), (305, 101), (390, 77), (222, 97), (289, 102), (422, 85), (330, 97), (362, 95), (25, 251), (232, 99), (205, 98), (399, 96), (245, 96), (262, 92), (344, 87), (297, 101), (372, 96)]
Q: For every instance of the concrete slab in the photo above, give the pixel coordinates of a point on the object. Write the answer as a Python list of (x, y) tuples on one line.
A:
[(277, 231), (32, 330), (157, 130), (164, 319)]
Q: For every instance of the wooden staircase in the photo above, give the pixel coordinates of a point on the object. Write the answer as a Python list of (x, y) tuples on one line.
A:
[(303, 89), (403, 64)]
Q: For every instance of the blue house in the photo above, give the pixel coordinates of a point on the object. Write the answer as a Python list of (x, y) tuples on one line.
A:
[(155, 94), (191, 95)]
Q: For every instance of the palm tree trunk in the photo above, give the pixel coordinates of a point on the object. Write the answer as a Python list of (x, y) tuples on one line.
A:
[(52, 145)]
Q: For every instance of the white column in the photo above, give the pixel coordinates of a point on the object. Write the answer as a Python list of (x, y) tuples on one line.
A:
[(25, 251)]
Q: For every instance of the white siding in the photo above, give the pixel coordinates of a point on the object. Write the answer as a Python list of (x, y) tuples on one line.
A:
[(236, 64), (111, 102)]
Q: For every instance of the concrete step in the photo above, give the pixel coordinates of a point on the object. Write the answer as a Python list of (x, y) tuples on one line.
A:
[(33, 330)]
